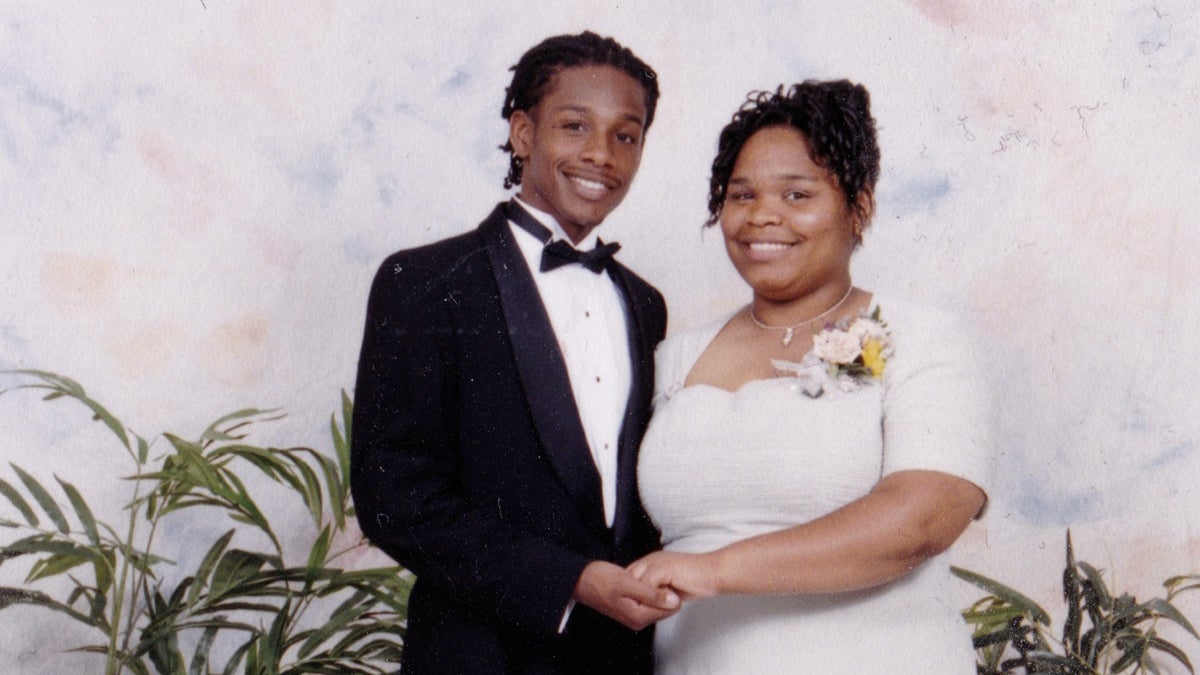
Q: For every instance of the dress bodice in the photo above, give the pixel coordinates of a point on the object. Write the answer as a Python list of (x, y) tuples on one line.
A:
[(751, 457)]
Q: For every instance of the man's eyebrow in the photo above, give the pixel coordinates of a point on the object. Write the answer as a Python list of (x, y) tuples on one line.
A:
[(584, 109)]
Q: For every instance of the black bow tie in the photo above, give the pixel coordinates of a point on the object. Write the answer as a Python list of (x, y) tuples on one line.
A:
[(559, 253)]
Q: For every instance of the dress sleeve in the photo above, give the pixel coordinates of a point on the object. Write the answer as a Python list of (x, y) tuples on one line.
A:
[(935, 409), (676, 355)]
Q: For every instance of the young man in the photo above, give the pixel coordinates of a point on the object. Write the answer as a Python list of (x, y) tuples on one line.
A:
[(503, 387)]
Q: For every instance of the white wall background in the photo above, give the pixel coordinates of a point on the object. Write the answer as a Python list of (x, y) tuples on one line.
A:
[(195, 195)]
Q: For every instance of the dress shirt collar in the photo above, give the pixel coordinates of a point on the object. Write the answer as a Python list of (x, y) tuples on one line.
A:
[(556, 230)]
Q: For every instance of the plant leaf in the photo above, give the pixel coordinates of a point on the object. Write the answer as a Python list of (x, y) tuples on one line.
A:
[(1166, 609), (51, 381), (1170, 648), (316, 557), (285, 465), (1103, 597), (104, 567), (1073, 596), (1053, 663), (240, 499), (1004, 593), (19, 502), (228, 606), (59, 563), (206, 566), (313, 496), (19, 596), (1172, 585), (164, 653), (235, 567), (43, 498), (86, 519), (215, 432), (239, 655), (336, 487), (271, 646), (348, 612), (64, 386), (347, 421), (199, 665), (143, 451), (1135, 646), (40, 543)]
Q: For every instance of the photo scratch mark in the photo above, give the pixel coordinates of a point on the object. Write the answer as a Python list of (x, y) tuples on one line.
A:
[(1010, 138), (1079, 110), (1160, 35), (962, 122)]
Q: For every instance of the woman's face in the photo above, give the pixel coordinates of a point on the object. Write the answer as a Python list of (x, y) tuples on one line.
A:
[(787, 227)]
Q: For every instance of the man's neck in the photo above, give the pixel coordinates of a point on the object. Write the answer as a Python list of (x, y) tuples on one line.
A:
[(576, 235)]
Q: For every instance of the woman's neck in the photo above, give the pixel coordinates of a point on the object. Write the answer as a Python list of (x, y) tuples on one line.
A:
[(822, 305)]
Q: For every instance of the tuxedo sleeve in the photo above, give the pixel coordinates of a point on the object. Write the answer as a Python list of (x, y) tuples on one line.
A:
[(406, 449)]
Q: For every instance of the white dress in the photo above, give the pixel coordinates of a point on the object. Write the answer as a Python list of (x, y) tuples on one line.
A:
[(717, 467)]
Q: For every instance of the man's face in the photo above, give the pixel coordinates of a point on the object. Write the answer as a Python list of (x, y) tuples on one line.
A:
[(581, 145)]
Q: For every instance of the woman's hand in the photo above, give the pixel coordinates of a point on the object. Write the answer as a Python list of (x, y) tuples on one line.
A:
[(615, 593), (690, 575)]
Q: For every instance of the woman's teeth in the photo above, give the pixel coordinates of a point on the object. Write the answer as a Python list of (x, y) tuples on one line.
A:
[(768, 246)]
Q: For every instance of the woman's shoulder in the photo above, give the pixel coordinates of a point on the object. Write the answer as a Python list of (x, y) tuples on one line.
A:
[(929, 339), (678, 353), (935, 360), (919, 324), (912, 314)]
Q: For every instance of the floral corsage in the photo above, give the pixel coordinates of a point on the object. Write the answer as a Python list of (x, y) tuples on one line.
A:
[(846, 356)]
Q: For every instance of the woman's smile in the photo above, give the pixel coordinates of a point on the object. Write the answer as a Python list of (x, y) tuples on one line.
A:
[(767, 251), (787, 226)]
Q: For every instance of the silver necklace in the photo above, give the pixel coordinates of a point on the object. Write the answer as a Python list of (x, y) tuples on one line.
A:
[(789, 331)]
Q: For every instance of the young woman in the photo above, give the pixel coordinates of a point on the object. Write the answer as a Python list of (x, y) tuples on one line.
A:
[(809, 454)]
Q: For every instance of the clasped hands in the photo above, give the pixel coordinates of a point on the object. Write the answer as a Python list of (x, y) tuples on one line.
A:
[(649, 590)]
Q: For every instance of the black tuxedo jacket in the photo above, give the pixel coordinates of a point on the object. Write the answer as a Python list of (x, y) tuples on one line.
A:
[(470, 466)]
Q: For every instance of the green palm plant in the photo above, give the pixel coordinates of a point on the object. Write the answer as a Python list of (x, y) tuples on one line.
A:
[(1102, 634), (245, 604)]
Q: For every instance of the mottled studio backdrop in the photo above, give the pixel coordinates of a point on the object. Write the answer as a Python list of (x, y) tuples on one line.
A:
[(194, 196)]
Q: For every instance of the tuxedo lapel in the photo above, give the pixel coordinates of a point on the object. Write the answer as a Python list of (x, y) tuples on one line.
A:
[(637, 408), (543, 371)]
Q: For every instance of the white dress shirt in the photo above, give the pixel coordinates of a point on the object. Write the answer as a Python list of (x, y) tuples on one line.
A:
[(589, 320)]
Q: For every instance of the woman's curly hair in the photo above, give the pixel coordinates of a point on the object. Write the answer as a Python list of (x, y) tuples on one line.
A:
[(835, 118)]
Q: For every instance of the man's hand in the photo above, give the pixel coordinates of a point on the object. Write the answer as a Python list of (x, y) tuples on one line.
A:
[(690, 575), (615, 593)]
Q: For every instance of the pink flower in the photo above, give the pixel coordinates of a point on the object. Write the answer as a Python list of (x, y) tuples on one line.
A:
[(837, 346)]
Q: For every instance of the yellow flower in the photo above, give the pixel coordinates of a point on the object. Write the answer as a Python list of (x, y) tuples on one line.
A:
[(873, 358)]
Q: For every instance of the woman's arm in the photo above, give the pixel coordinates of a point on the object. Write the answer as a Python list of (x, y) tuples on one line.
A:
[(907, 518)]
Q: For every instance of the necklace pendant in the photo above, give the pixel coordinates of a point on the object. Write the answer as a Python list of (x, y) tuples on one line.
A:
[(787, 336)]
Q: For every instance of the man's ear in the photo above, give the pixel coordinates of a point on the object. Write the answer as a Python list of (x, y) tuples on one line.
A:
[(520, 133)]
